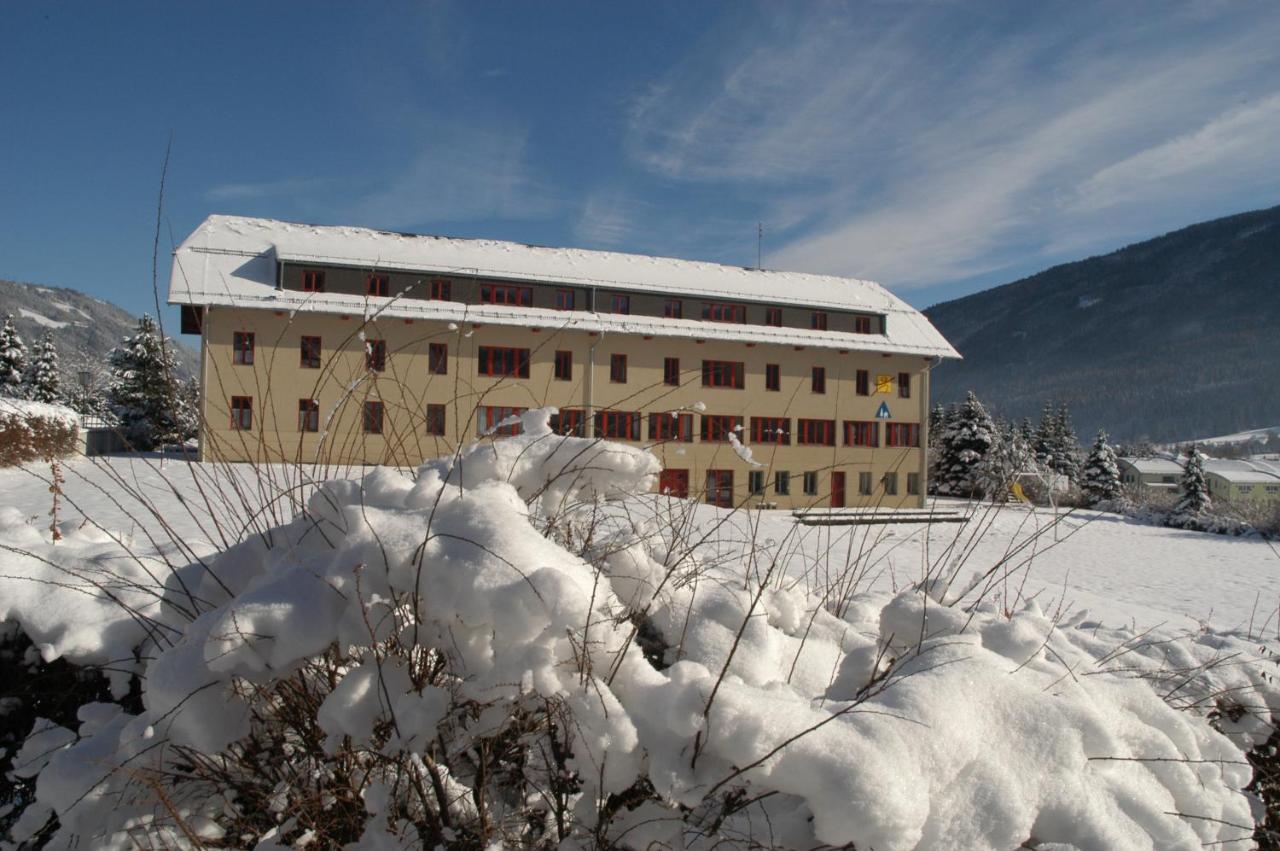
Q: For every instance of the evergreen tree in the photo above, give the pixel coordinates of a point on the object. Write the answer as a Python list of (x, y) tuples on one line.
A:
[(937, 425), (13, 360), (45, 379), (1195, 488), (965, 442), (143, 392), (189, 410), (1044, 439), (1008, 457), (1067, 445), (1100, 476)]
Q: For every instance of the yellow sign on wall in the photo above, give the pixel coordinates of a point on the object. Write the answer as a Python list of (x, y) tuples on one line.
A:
[(884, 383)]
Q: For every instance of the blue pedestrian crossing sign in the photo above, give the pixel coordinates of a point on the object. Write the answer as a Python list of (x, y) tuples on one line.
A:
[(883, 412)]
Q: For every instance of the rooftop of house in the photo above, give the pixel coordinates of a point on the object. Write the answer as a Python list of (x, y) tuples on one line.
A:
[(1234, 471), (231, 261)]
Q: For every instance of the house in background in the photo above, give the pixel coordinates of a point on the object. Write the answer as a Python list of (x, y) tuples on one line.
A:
[(1230, 481), (1151, 474), (352, 346)]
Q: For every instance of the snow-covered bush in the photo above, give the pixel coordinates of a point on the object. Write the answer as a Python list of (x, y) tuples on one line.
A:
[(500, 650), (34, 431)]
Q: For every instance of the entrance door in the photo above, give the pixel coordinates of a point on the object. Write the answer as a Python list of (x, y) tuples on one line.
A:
[(720, 488), (837, 490), (674, 483)]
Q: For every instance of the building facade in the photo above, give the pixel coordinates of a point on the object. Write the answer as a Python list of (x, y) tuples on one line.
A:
[(350, 346)]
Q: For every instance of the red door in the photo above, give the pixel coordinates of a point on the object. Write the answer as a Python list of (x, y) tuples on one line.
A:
[(837, 490), (720, 488), (674, 483)]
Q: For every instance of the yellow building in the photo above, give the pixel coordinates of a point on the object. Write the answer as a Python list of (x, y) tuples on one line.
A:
[(345, 345)]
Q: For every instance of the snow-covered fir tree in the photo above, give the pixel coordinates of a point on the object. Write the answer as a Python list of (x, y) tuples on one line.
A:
[(1100, 475), (189, 409), (13, 360), (1194, 487), (1056, 446), (143, 392), (1008, 457), (937, 424), (965, 441), (44, 382)]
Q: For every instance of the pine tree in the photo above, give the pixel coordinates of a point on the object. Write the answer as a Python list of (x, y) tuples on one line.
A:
[(1008, 457), (1195, 488), (967, 438), (1067, 445), (45, 379), (143, 393), (189, 410), (1045, 439), (1100, 476), (13, 361)]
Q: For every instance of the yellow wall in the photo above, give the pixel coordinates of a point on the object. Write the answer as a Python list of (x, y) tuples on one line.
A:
[(276, 382)]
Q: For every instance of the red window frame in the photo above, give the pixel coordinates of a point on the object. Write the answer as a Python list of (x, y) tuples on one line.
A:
[(566, 299), (773, 316), (377, 285), (563, 368), (818, 379), (720, 488), (818, 320), (373, 417), (508, 294), (862, 433), (724, 311), (241, 413), (503, 362), (308, 415), (862, 324), (671, 371), (313, 280), (723, 373), (772, 376), (619, 303), (716, 428), (441, 289), (902, 435), (436, 419), (862, 383), (618, 425), (618, 368), (438, 358), (904, 385), (488, 417), (676, 427), (569, 421), (242, 348), (837, 489), (775, 430), (375, 355), (309, 352), (674, 482), (815, 432), (673, 308)]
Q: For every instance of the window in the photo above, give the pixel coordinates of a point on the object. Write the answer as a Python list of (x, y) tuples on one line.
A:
[(498, 420), (863, 383), (435, 420), (773, 316), (913, 484), (377, 285), (375, 355), (673, 308), (241, 413), (503, 362), (901, 434), (816, 432), (782, 483), (891, 484), (620, 425), (312, 281), (720, 488), (904, 385), (810, 484), (506, 294), (564, 366), (715, 311), (755, 482), (311, 352), (569, 421), (861, 433), (674, 482), (438, 358), (618, 369), (864, 483), (771, 430), (373, 415), (620, 303), (308, 415), (722, 373), (242, 348), (671, 371), (819, 379), (717, 428), (862, 324), (818, 320), (772, 376), (441, 289), (566, 299), (678, 427)]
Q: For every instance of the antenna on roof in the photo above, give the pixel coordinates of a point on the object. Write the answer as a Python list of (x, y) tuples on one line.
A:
[(759, 241)]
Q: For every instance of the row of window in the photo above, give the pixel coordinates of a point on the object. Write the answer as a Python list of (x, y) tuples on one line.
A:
[(441, 289), (719, 485), (507, 362)]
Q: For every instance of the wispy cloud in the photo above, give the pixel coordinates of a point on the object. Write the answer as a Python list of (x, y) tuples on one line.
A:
[(269, 189)]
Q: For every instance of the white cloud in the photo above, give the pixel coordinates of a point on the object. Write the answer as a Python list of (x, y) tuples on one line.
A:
[(268, 189)]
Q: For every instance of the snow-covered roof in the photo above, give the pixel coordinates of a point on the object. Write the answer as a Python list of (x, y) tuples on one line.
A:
[(231, 261), (1154, 466), (1243, 472)]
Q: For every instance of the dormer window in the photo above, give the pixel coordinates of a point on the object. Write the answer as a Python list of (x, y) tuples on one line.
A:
[(863, 324), (377, 285), (620, 303), (818, 320), (715, 311), (312, 281)]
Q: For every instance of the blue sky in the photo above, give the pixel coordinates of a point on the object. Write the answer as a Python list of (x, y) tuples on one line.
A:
[(937, 147)]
